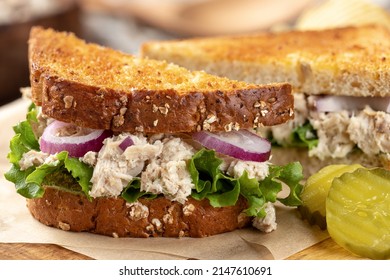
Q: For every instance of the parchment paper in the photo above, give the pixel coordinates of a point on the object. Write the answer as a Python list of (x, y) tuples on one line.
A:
[(17, 225)]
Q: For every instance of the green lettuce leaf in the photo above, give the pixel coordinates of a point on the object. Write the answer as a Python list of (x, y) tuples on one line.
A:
[(227, 191), (24, 129), (222, 190), (80, 171), (304, 136), (251, 191), (204, 167), (210, 182), (18, 148), (24, 139), (29, 182), (18, 177), (132, 191), (291, 175)]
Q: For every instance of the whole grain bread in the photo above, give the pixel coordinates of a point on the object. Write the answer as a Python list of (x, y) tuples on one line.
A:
[(338, 61), (98, 87), (146, 218)]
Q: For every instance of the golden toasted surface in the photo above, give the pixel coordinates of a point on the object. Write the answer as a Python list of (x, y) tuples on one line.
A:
[(94, 86), (270, 46), (313, 61), (68, 57)]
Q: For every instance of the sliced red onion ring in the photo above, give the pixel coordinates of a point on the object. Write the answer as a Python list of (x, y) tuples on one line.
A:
[(127, 142), (77, 145), (331, 103), (242, 144)]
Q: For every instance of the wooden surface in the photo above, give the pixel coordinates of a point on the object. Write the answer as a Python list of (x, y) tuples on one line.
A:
[(325, 250), (32, 251)]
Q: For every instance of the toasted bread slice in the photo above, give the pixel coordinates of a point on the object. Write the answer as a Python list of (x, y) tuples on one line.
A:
[(340, 61), (97, 87), (146, 218)]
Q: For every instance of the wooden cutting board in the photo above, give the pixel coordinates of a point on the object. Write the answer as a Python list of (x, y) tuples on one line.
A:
[(325, 250)]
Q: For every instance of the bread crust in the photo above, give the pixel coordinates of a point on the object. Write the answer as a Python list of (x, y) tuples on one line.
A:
[(114, 217), (166, 111), (101, 88), (339, 61)]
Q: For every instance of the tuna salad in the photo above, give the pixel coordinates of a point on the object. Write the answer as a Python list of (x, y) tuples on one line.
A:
[(334, 126), (219, 167)]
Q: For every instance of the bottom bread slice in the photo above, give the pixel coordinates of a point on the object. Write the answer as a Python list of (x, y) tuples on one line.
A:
[(145, 218)]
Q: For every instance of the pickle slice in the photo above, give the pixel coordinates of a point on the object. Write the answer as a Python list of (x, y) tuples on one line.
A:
[(358, 212), (316, 190)]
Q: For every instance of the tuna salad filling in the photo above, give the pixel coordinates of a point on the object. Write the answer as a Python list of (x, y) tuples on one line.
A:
[(48, 153), (337, 129)]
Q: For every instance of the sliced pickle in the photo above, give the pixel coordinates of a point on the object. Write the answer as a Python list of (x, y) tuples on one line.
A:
[(358, 212), (316, 190)]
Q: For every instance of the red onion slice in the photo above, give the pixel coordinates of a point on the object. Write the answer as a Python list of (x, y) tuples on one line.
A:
[(332, 103), (242, 144), (77, 145), (127, 142)]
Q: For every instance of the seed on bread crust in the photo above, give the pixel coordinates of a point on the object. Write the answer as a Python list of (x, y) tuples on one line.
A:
[(138, 211), (188, 209), (68, 100), (64, 226)]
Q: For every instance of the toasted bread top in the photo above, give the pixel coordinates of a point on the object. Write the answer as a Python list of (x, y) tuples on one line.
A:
[(343, 61), (98, 87)]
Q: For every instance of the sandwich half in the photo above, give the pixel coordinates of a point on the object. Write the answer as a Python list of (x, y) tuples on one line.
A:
[(340, 80), (123, 146)]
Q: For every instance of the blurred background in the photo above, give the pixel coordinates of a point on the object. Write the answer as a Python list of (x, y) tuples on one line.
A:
[(126, 24)]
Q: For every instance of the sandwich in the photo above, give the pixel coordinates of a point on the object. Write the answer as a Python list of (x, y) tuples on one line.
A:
[(123, 146), (340, 79)]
